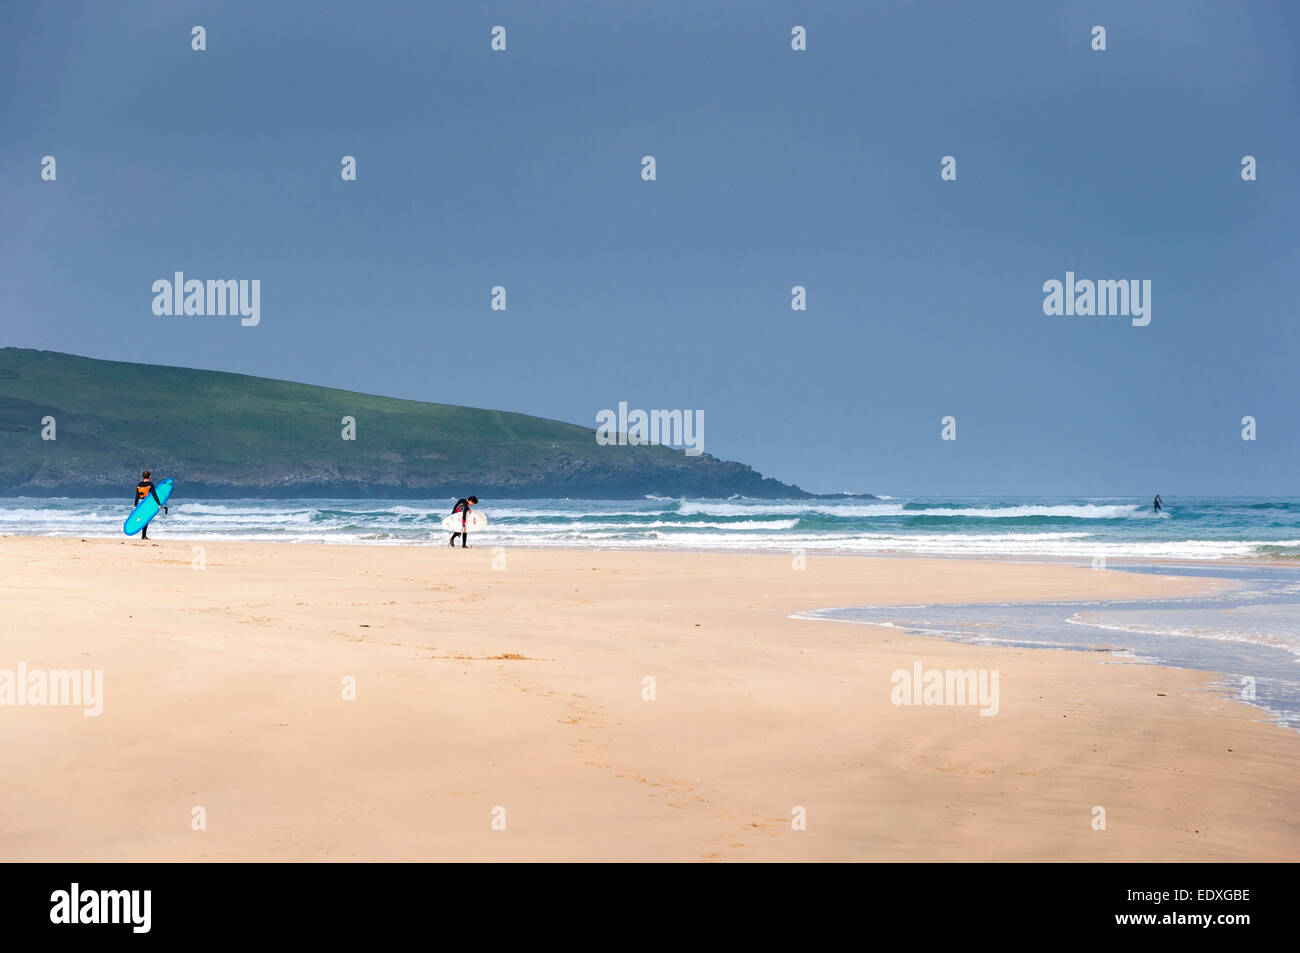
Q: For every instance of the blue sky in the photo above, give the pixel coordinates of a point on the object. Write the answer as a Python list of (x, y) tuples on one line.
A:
[(775, 168)]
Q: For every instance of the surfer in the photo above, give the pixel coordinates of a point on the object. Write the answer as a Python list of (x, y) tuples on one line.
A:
[(142, 489), (1157, 503), (462, 507)]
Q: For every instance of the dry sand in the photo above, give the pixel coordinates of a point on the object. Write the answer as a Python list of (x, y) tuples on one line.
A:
[(522, 688)]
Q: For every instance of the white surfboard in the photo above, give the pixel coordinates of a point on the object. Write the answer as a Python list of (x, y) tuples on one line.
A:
[(473, 522)]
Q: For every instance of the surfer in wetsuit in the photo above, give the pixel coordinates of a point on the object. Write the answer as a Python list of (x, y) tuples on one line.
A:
[(1157, 503), (462, 507), (142, 489)]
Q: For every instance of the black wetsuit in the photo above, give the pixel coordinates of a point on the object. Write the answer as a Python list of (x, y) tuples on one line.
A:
[(142, 489), (462, 506), (1158, 504)]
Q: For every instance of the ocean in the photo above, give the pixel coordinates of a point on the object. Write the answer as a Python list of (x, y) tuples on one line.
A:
[(1076, 528)]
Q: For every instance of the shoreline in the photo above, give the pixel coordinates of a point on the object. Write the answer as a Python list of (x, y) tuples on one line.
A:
[(1052, 560), (522, 687)]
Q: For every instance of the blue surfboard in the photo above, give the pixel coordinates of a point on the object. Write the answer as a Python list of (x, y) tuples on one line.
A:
[(147, 509)]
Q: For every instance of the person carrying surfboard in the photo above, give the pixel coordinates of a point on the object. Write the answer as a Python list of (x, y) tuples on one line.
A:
[(1158, 503), (142, 489), (462, 507)]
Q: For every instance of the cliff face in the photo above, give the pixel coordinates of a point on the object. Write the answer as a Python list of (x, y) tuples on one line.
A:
[(227, 435)]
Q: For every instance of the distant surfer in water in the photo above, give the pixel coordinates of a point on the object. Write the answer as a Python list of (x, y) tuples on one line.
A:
[(1158, 504), (142, 489), (462, 507)]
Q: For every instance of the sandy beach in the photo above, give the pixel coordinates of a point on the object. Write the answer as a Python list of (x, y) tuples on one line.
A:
[(522, 687)]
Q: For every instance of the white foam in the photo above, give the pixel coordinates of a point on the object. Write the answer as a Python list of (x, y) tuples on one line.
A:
[(739, 525), (859, 510), (791, 509)]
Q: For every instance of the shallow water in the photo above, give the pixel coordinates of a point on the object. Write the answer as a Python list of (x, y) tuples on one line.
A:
[(1249, 636)]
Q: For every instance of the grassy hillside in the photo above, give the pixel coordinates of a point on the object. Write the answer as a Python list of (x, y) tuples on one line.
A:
[(232, 435)]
